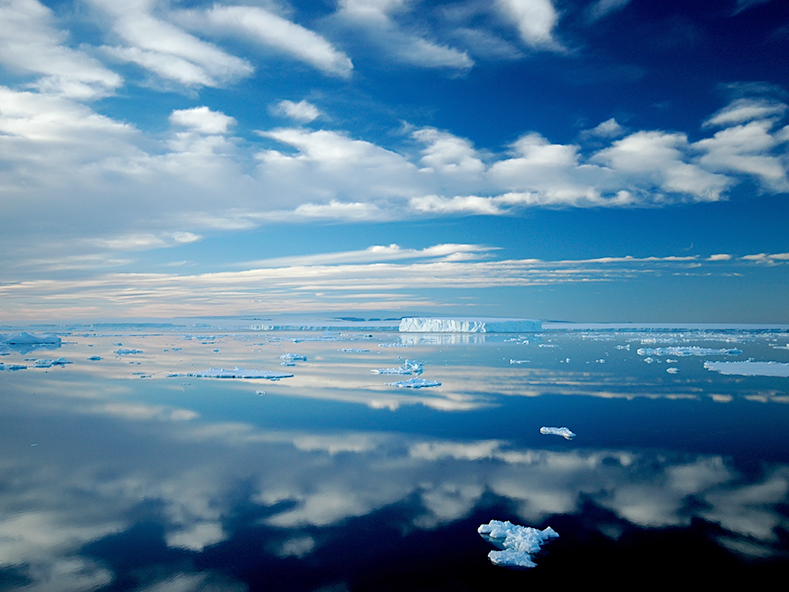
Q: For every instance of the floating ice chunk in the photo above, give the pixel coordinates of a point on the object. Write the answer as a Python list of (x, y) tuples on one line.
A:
[(24, 338), (49, 363), (127, 352), (563, 432), (518, 361), (353, 350), (749, 368), (687, 351), (239, 373), (409, 367), (415, 383), (518, 543), (672, 370), (94, 358), (260, 392), (289, 358), (478, 325)]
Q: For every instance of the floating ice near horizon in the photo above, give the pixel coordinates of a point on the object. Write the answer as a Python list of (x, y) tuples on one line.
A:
[(749, 368), (473, 325), (672, 370), (518, 543), (49, 363), (563, 432), (25, 338), (127, 352), (687, 351), (238, 373), (415, 383), (409, 367)]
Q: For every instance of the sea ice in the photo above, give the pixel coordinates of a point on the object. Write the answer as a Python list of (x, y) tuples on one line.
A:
[(24, 338), (409, 367), (518, 543), (239, 373), (749, 368), (474, 325), (127, 352), (672, 370), (293, 358), (49, 363), (415, 383), (687, 351), (563, 432)]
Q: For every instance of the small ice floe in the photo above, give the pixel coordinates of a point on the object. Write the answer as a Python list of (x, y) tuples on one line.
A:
[(519, 361), (239, 373), (517, 543), (94, 358), (563, 432), (687, 351), (749, 368), (127, 352), (12, 367), (49, 363), (260, 392), (353, 350), (408, 367), (291, 359), (649, 360), (672, 370), (397, 344), (414, 383)]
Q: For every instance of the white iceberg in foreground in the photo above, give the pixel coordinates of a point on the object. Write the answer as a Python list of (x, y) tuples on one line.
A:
[(563, 432), (749, 368), (518, 543), (239, 373), (414, 383), (480, 325), (409, 367)]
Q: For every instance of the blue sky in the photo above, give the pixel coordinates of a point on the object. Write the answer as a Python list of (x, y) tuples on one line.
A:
[(601, 160)]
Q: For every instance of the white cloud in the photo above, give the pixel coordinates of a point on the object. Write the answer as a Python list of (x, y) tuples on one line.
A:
[(607, 129), (271, 30), (534, 19), (167, 50), (603, 8), (302, 111), (202, 120), (447, 153), (30, 43), (745, 110)]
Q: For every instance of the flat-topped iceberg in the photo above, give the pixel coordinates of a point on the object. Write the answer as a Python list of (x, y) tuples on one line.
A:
[(473, 325), (239, 373), (517, 543), (563, 432), (749, 368), (409, 367), (414, 383)]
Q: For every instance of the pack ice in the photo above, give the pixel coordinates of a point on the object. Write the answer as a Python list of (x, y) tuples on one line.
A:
[(517, 543), (475, 325), (239, 373), (749, 368)]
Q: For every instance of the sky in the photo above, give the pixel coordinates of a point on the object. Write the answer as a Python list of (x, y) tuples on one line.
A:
[(579, 160)]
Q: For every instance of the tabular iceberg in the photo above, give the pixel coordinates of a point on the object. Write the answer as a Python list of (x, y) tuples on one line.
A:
[(563, 432), (414, 383), (478, 325), (518, 543), (239, 373)]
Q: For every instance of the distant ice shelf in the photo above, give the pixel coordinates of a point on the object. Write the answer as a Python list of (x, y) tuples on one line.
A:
[(471, 325), (517, 543), (563, 432), (749, 368)]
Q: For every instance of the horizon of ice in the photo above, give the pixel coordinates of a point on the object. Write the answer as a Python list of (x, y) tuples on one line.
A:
[(239, 373), (25, 338), (518, 543), (472, 325), (749, 368), (563, 432), (415, 383), (408, 367), (687, 351)]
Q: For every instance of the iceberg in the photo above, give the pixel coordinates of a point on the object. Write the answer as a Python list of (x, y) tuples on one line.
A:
[(414, 383), (563, 432), (24, 338), (518, 543), (686, 351), (239, 373), (474, 325), (749, 368), (409, 367)]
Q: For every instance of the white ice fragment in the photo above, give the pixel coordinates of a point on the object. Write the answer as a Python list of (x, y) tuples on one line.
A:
[(24, 338), (415, 383), (518, 361), (12, 367), (749, 368), (563, 432), (43, 363), (260, 393), (239, 373), (94, 358), (127, 352), (672, 370), (290, 358), (518, 543), (687, 351), (473, 325), (353, 350), (408, 367)]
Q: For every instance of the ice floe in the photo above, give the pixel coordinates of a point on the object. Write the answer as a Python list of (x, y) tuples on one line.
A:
[(517, 543), (687, 351), (237, 373), (127, 352), (12, 367), (749, 368), (672, 370), (563, 432), (415, 383), (408, 367), (474, 325), (24, 338), (49, 363)]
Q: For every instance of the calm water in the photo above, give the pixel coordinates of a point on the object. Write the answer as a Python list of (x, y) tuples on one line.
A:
[(125, 473)]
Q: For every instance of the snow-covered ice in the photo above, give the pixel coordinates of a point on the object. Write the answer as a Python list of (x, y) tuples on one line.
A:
[(408, 367), (687, 351), (473, 325), (239, 373), (24, 338), (414, 383), (749, 368), (518, 543), (563, 432)]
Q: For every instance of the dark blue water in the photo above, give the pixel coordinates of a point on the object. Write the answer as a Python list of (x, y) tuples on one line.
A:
[(125, 473)]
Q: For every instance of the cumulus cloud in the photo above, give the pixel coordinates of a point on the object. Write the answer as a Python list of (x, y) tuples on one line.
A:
[(302, 111), (535, 21), (202, 120)]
